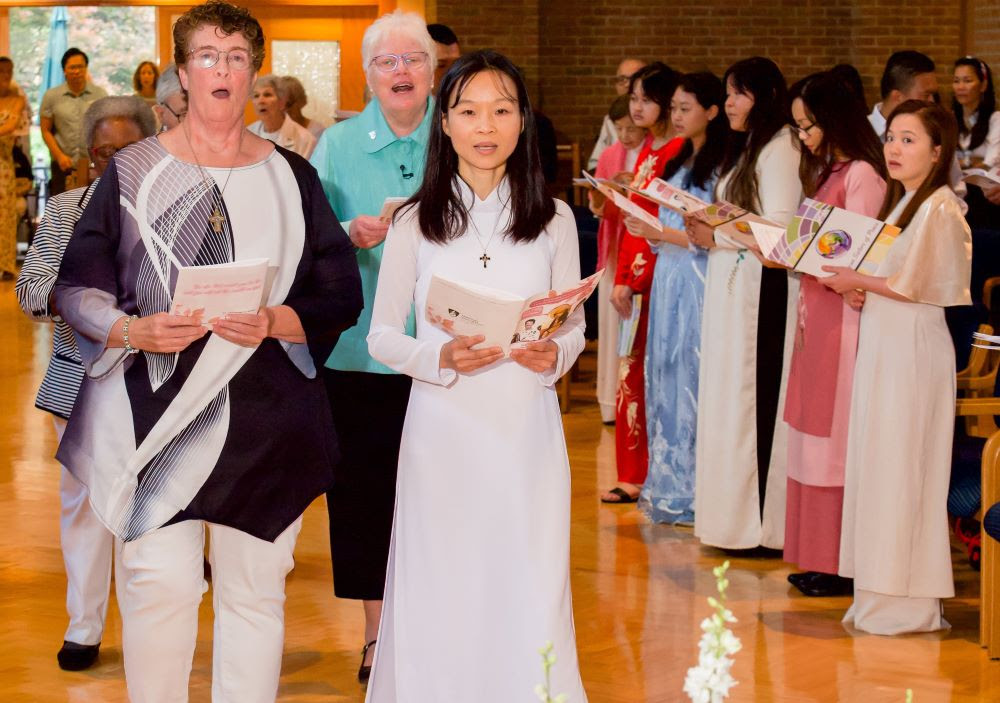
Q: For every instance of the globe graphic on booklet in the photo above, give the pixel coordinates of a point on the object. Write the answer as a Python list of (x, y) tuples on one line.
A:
[(833, 243)]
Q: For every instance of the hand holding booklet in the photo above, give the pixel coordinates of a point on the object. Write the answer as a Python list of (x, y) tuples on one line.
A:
[(219, 289), (506, 320), (629, 207)]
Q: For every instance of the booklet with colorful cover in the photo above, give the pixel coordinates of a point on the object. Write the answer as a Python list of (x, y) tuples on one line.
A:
[(823, 235), (628, 326), (732, 222), (468, 309), (629, 207), (213, 291)]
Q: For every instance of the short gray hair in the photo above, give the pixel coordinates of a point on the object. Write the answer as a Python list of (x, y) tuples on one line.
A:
[(275, 83), (128, 107), (168, 84), (397, 22)]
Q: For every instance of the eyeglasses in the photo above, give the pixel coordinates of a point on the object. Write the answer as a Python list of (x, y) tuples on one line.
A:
[(106, 152), (621, 80), (388, 62), (207, 56), (803, 132), (177, 115)]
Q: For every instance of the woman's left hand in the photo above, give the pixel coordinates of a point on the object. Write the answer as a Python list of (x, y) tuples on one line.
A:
[(699, 233), (844, 279), (246, 329), (537, 356)]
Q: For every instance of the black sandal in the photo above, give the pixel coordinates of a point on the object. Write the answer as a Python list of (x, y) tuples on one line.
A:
[(623, 497), (364, 672)]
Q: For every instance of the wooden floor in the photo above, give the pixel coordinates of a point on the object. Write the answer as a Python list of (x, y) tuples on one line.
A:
[(639, 593)]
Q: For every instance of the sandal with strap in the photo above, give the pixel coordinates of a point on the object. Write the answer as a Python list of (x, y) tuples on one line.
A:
[(365, 672), (622, 494)]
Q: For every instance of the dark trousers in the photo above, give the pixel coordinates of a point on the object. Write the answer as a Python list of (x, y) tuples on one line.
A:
[(57, 181), (368, 413)]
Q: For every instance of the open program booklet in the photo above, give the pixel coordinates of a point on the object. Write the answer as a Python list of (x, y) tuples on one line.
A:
[(213, 291), (823, 235), (506, 320), (617, 194), (982, 177)]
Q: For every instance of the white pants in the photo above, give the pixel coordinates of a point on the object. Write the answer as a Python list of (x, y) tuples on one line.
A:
[(607, 345), (160, 582), (87, 546)]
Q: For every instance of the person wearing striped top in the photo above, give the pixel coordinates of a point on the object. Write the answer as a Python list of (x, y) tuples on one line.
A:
[(110, 124)]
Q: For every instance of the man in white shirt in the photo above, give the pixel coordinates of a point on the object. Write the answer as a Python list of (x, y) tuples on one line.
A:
[(908, 75), (608, 136)]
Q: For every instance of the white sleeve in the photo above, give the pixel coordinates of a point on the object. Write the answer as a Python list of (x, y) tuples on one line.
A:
[(992, 157), (779, 189), (565, 273), (387, 338)]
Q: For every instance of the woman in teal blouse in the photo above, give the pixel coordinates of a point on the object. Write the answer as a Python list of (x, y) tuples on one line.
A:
[(362, 161)]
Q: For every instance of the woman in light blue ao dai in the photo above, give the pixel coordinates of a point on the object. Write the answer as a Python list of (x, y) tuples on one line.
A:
[(674, 334)]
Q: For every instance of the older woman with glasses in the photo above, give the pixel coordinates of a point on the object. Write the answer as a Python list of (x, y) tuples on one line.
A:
[(109, 125), (270, 102), (362, 161), (179, 428)]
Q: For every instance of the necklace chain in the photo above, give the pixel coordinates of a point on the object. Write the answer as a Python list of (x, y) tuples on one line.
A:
[(485, 258), (216, 219)]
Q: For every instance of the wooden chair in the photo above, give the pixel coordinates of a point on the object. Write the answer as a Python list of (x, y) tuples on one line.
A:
[(977, 380), (989, 588), (571, 153)]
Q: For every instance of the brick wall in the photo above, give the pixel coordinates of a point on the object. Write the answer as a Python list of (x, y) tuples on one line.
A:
[(983, 31), (570, 49)]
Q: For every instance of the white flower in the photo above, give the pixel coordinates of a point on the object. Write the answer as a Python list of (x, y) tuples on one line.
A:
[(710, 681)]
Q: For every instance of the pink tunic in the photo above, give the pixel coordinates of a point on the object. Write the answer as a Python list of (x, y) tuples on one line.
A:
[(818, 402)]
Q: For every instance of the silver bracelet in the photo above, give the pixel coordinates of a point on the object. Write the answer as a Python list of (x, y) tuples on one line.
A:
[(129, 349)]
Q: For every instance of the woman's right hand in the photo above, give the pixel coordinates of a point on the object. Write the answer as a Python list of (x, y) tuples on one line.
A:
[(699, 233), (459, 356), (621, 300), (367, 231), (163, 332)]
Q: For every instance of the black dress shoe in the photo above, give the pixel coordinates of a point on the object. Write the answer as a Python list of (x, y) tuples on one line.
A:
[(828, 586), (365, 672), (77, 657), (798, 579)]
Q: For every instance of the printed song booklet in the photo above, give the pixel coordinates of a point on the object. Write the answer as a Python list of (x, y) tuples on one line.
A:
[(506, 320), (213, 291), (628, 326), (671, 197), (982, 177), (629, 207), (732, 222), (389, 207), (823, 235)]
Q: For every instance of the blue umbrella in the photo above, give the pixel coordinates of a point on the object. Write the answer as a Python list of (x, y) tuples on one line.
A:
[(52, 73)]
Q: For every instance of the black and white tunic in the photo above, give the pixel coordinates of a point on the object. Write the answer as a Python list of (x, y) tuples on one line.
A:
[(232, 435)]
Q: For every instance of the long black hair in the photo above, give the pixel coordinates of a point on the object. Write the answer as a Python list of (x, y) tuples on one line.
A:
[(832, 105), (707, 90), (987, 103), (761, 78), (658, 82), (442, 215)]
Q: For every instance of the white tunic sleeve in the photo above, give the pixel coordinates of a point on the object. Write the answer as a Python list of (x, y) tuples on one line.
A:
[(387, 338), (565, 273), (778, 186), (992, 157)]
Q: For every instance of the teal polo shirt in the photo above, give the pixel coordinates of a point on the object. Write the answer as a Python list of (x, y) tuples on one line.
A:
[(361, 162)]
